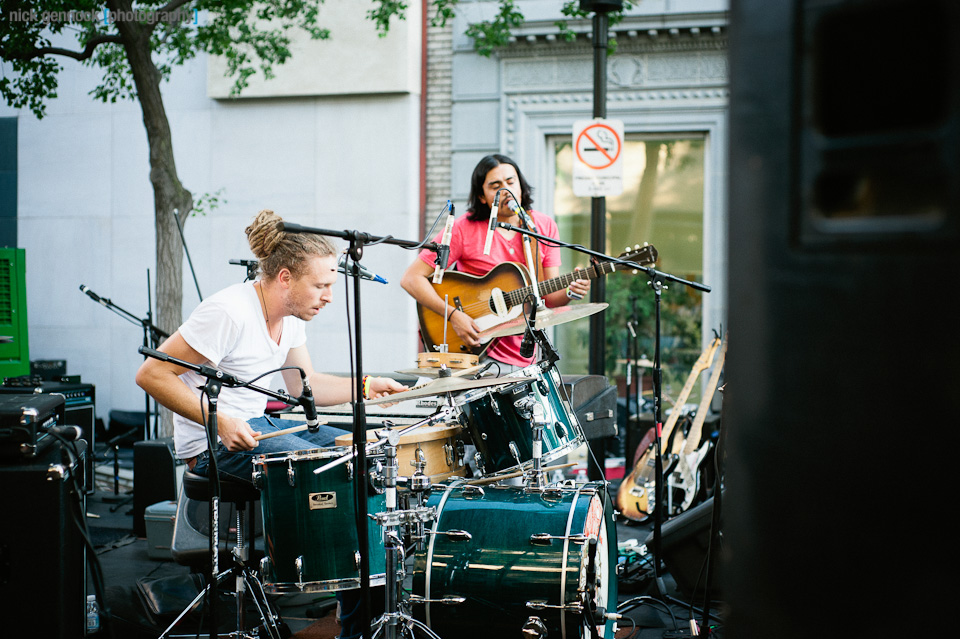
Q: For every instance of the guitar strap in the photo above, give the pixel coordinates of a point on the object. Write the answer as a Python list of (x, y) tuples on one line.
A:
[(528, 253)]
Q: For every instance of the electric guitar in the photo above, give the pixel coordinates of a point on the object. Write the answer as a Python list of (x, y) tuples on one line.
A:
[(498, 296), (684, 482), (636, 497)]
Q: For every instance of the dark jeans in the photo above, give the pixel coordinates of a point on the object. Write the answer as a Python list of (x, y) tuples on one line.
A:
[(239, 464), (351, 621)]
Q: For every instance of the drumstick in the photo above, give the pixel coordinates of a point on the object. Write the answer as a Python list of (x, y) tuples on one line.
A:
[(285, 431), (490, 480)]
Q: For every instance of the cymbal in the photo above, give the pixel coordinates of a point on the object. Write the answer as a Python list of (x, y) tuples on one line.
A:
[(443, 385), (545, 317), (435, 372)]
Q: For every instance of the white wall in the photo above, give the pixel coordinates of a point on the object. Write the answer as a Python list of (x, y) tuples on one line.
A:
[(86, 211)]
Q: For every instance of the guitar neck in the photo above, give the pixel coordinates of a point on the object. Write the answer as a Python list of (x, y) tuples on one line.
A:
[(693, 437), (702, 364), (555, 284)]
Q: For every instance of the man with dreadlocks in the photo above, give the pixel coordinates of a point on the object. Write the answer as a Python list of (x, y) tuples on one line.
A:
[(246, 330)]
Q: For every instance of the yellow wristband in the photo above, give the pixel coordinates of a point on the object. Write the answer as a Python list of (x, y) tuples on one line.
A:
[(366, 387)]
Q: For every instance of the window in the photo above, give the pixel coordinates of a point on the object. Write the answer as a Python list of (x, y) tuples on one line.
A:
[(661, 204)]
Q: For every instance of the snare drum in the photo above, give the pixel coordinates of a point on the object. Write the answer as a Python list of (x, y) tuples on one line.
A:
[(513, 554), (310, 523), (503, 435), (440, 447)]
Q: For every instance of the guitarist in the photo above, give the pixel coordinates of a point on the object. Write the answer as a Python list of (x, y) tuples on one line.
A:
[(493, 174)]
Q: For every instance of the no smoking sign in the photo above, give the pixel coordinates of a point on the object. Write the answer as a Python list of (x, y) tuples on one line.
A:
[(597, 162)]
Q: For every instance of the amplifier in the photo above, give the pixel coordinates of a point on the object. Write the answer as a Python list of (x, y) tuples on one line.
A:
[(79, 409), (23, 422), (594, 401), (42, 555)]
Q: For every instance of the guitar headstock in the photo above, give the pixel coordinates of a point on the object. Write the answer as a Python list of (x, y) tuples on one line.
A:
[(643, 255)]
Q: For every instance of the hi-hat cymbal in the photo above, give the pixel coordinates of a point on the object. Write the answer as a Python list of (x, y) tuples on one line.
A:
[(545, 317), (435, 372), (443, 385)]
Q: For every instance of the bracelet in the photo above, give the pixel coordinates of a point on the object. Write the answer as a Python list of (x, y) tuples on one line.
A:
[(450, 314), (573, 296), (366, 386)]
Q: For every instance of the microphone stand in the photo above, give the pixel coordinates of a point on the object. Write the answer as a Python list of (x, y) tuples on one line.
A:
[(152, 336), (657, 281), (216, 379), (357, 240)]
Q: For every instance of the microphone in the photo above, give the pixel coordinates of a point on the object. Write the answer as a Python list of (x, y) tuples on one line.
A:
[(443, 251), (92, 295), (524, 217), (492, 223), (527, 344), (309, 406), (365, 273), (69, 433)]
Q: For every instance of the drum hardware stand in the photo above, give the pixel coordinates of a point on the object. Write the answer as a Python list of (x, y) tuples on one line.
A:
[(216, 379), (657, 283), (357, 240), (389, 622)]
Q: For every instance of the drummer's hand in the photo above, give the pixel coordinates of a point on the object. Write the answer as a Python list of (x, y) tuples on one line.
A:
[(465, 328), (236, 434), (383, 386)]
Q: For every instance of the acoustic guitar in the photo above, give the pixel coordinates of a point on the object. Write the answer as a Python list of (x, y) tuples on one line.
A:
[(636, 494), (684, 481), (498, 296)]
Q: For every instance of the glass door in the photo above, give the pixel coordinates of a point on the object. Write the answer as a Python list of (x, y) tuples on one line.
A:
[(662, 204)]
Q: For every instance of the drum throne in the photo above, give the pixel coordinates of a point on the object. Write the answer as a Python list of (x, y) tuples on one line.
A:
[(185, 550)]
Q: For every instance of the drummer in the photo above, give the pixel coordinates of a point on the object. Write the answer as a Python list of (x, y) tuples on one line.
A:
[(247, 330), (493, 174)]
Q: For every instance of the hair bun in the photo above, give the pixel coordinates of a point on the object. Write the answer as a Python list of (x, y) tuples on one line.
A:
[(264, 233)]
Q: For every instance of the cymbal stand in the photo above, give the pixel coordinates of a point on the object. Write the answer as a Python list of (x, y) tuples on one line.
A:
[(658, 281), (389, 624)]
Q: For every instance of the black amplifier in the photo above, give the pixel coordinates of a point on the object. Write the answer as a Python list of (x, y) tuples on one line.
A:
[(24, 420), (79, 408)]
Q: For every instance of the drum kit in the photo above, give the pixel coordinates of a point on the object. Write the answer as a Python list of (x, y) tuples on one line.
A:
[(515, 548)]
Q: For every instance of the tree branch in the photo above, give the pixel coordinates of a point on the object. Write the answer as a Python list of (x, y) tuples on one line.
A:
[(92, 44)]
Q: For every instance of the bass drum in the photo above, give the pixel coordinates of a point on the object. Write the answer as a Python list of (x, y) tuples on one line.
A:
[(538, 560)]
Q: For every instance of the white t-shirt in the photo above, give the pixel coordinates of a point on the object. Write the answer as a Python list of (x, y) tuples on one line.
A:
[(228, 329)]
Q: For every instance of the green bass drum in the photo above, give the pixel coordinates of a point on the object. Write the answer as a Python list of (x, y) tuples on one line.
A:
[(520, 560)]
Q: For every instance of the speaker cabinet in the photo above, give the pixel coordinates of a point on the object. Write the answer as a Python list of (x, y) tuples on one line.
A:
[(843, 253), (156, 475), (41, 550), (685, 547)]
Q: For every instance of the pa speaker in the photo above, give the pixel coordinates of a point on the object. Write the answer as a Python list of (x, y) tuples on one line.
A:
[(156, 475), (41, 548), (685, 549), (844, 247)]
